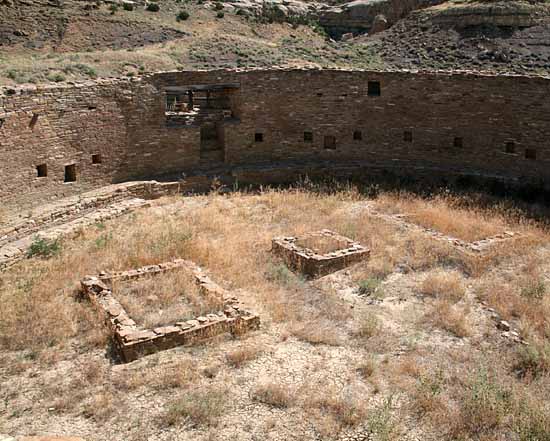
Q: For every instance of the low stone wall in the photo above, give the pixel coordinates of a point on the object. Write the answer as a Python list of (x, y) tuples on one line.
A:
[(65, 217), (314, 264), (133, 342)]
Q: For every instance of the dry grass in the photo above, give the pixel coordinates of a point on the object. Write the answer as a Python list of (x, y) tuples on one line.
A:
[(273, 394), (334, 410), (201, 407), (367, 325), (367, 367), (164, 299), (243, 355), (449, 317), (444, 285), (444, 214)]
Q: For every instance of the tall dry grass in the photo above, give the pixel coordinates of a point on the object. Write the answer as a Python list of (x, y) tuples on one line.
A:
[(230, 235), (453, 215)]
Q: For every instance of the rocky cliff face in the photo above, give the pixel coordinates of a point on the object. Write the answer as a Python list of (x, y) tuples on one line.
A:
[(365, 16)]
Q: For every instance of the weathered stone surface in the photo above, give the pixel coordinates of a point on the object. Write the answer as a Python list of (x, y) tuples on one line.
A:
[(313, 262)]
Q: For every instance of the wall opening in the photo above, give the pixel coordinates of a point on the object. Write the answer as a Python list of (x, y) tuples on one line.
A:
[(197, 104), (70, 173), (96, 158), (42, 170), (458, 142), (1, 122), (308, 136), (357, 135), (258, 137), (510, 147), (407, 136), (34, 120), (330, 142), (212, 142), (530, 154), (373, 88)]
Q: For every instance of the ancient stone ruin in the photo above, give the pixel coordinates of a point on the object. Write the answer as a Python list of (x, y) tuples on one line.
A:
[(271, 126), (133, 341), (319, 253)]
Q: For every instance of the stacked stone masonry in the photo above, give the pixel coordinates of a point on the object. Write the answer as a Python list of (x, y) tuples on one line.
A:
[(267, 126), (65, 217), (298, 254), (132, 341)]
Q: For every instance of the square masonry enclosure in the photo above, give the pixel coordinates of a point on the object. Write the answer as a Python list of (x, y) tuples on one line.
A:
[(319, 253), (158, 307)]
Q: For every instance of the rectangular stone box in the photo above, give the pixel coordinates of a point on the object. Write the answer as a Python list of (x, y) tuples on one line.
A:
[(319, 253), (133, 341)]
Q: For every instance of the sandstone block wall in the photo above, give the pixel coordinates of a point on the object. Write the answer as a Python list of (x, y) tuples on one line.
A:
[(420, 123)]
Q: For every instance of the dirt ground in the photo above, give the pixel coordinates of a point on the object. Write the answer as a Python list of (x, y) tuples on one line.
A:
[(408, 345)]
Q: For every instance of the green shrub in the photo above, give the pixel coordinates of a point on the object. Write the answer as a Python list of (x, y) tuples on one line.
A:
[(534, 359), (128, 6), (220, 14), (218, 6), (534, 290), (282, 275), (371, 287), (113, 8), (42, 247), (182, 16), (153, 7), (56, 78)]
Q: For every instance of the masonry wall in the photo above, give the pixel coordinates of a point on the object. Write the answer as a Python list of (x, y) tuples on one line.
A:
[(459, 124)]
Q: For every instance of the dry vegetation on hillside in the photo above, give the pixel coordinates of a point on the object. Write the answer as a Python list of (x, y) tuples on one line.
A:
[(401, 346)]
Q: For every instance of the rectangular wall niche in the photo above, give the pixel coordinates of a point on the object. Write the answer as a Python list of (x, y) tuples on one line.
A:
[(373, 88), (510, 147), (407, 136), (135, 336), (42, 170), (530, 154), (319, 253), (330, 142), (70, 173), (33, 121), (357, 135), (308, 136), (258, 137), (96, 158)]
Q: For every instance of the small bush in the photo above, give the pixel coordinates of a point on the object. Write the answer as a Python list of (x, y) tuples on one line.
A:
[(56, 78), (113, 8), (182, 16), (367, 367), (128, 6), (239, 357), (218, 6), (282, 275), (371, 287), (199, 407), (534, 359), (444, 284), (368, 325), (220, 14), (153, 7), (42, 247), (272, 394), (534, 290)]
